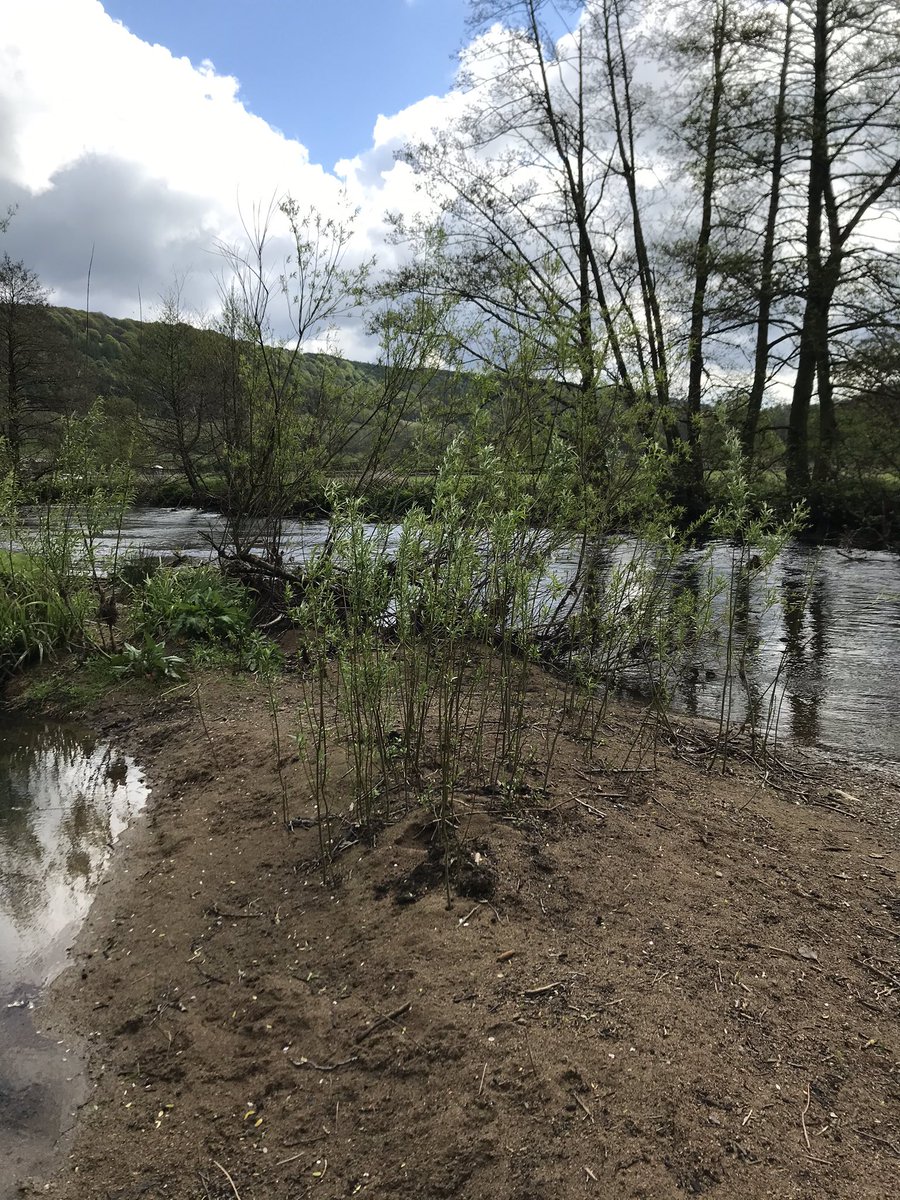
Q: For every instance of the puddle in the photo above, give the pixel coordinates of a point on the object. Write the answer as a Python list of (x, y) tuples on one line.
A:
[(64, 799)]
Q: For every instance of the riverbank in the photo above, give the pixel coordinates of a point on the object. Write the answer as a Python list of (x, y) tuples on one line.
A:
[(666, 980)]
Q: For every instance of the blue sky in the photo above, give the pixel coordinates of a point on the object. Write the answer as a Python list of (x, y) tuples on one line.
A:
[(320, 71), (123, 148)]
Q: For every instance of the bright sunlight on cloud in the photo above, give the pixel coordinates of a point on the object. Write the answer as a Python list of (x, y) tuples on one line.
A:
[(111, 145)]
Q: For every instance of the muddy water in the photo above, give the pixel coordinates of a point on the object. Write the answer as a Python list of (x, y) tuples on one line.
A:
[(63, 802)]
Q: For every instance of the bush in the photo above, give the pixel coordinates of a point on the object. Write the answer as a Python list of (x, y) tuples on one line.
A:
[(193, 604)]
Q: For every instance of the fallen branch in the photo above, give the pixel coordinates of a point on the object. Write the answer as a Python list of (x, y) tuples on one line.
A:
[(383, 1020)]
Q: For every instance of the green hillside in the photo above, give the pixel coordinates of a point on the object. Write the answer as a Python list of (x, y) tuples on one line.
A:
[(110, 351)]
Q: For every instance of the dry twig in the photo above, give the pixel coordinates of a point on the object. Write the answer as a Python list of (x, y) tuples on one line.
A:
[(803, 1119), (237, 1194), (385, 1019), (306, 1062), (540, 991)]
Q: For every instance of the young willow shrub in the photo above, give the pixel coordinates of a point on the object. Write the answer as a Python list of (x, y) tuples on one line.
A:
[(419, 641), (53, 571)]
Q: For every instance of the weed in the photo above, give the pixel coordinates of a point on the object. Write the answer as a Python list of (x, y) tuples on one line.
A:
[(149, 660)]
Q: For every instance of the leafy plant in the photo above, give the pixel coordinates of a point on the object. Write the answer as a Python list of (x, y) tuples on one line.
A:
[(148, 660), (196, 604)]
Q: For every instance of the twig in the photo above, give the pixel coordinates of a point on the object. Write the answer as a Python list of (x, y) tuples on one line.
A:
[(540, 991), (206, 974), (383, 1020), (232, 916), (892, 1146), (284, 1162), (228, 1177), (483, 1073), (892, 979), (578, 1100), (591, 809), (803, 1119), (537, 1073), (306, 1062), (320, 1137), (462, 920)]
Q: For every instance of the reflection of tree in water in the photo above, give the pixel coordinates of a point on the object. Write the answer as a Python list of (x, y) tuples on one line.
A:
[(686, 588), (117, 770), (87, 824), (21, 849), (60, 800), (805, 606), (742, 694)]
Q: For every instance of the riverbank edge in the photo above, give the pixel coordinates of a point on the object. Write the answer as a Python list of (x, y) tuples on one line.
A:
[(853, 517), (143, 722)]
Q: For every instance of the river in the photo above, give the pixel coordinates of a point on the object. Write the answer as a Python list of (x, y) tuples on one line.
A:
[(823, 634), (824, 623)]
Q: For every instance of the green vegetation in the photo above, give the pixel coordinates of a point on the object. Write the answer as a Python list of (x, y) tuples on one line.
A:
[(549, 375), (421, 648), (860, 501)]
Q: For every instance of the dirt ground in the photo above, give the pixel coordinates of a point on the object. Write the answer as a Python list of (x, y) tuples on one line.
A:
[(682, 982)]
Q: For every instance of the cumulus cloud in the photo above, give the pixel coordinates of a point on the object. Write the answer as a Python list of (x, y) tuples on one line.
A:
[(107, 142)]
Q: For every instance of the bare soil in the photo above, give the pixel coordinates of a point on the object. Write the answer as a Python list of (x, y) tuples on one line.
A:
[(667, 982)]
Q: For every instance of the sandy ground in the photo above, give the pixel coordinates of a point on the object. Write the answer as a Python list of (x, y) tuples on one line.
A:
[(681, 982)]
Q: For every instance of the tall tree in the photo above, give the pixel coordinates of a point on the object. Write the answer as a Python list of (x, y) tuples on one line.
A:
[(543, 180), (23, 364), (848, 65)]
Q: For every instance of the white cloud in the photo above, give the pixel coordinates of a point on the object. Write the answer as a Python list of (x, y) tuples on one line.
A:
[(109, 142)]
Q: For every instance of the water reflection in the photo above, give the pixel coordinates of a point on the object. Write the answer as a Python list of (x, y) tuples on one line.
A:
[(820, 647), (808, 649), (63, 801)]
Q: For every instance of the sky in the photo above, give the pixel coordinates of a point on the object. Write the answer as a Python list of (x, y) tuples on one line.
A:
[(145, 132), (320, 72)]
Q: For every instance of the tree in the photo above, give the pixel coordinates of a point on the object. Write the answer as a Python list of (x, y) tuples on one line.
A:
[(273, 305), (848, 65), (173, 375), (23, 369)]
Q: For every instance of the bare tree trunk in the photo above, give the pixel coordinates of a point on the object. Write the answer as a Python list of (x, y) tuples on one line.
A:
[(702, 267), (766, 280)]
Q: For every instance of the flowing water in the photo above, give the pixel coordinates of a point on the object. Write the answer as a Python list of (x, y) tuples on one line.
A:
[(822, 630), (64, 800)]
